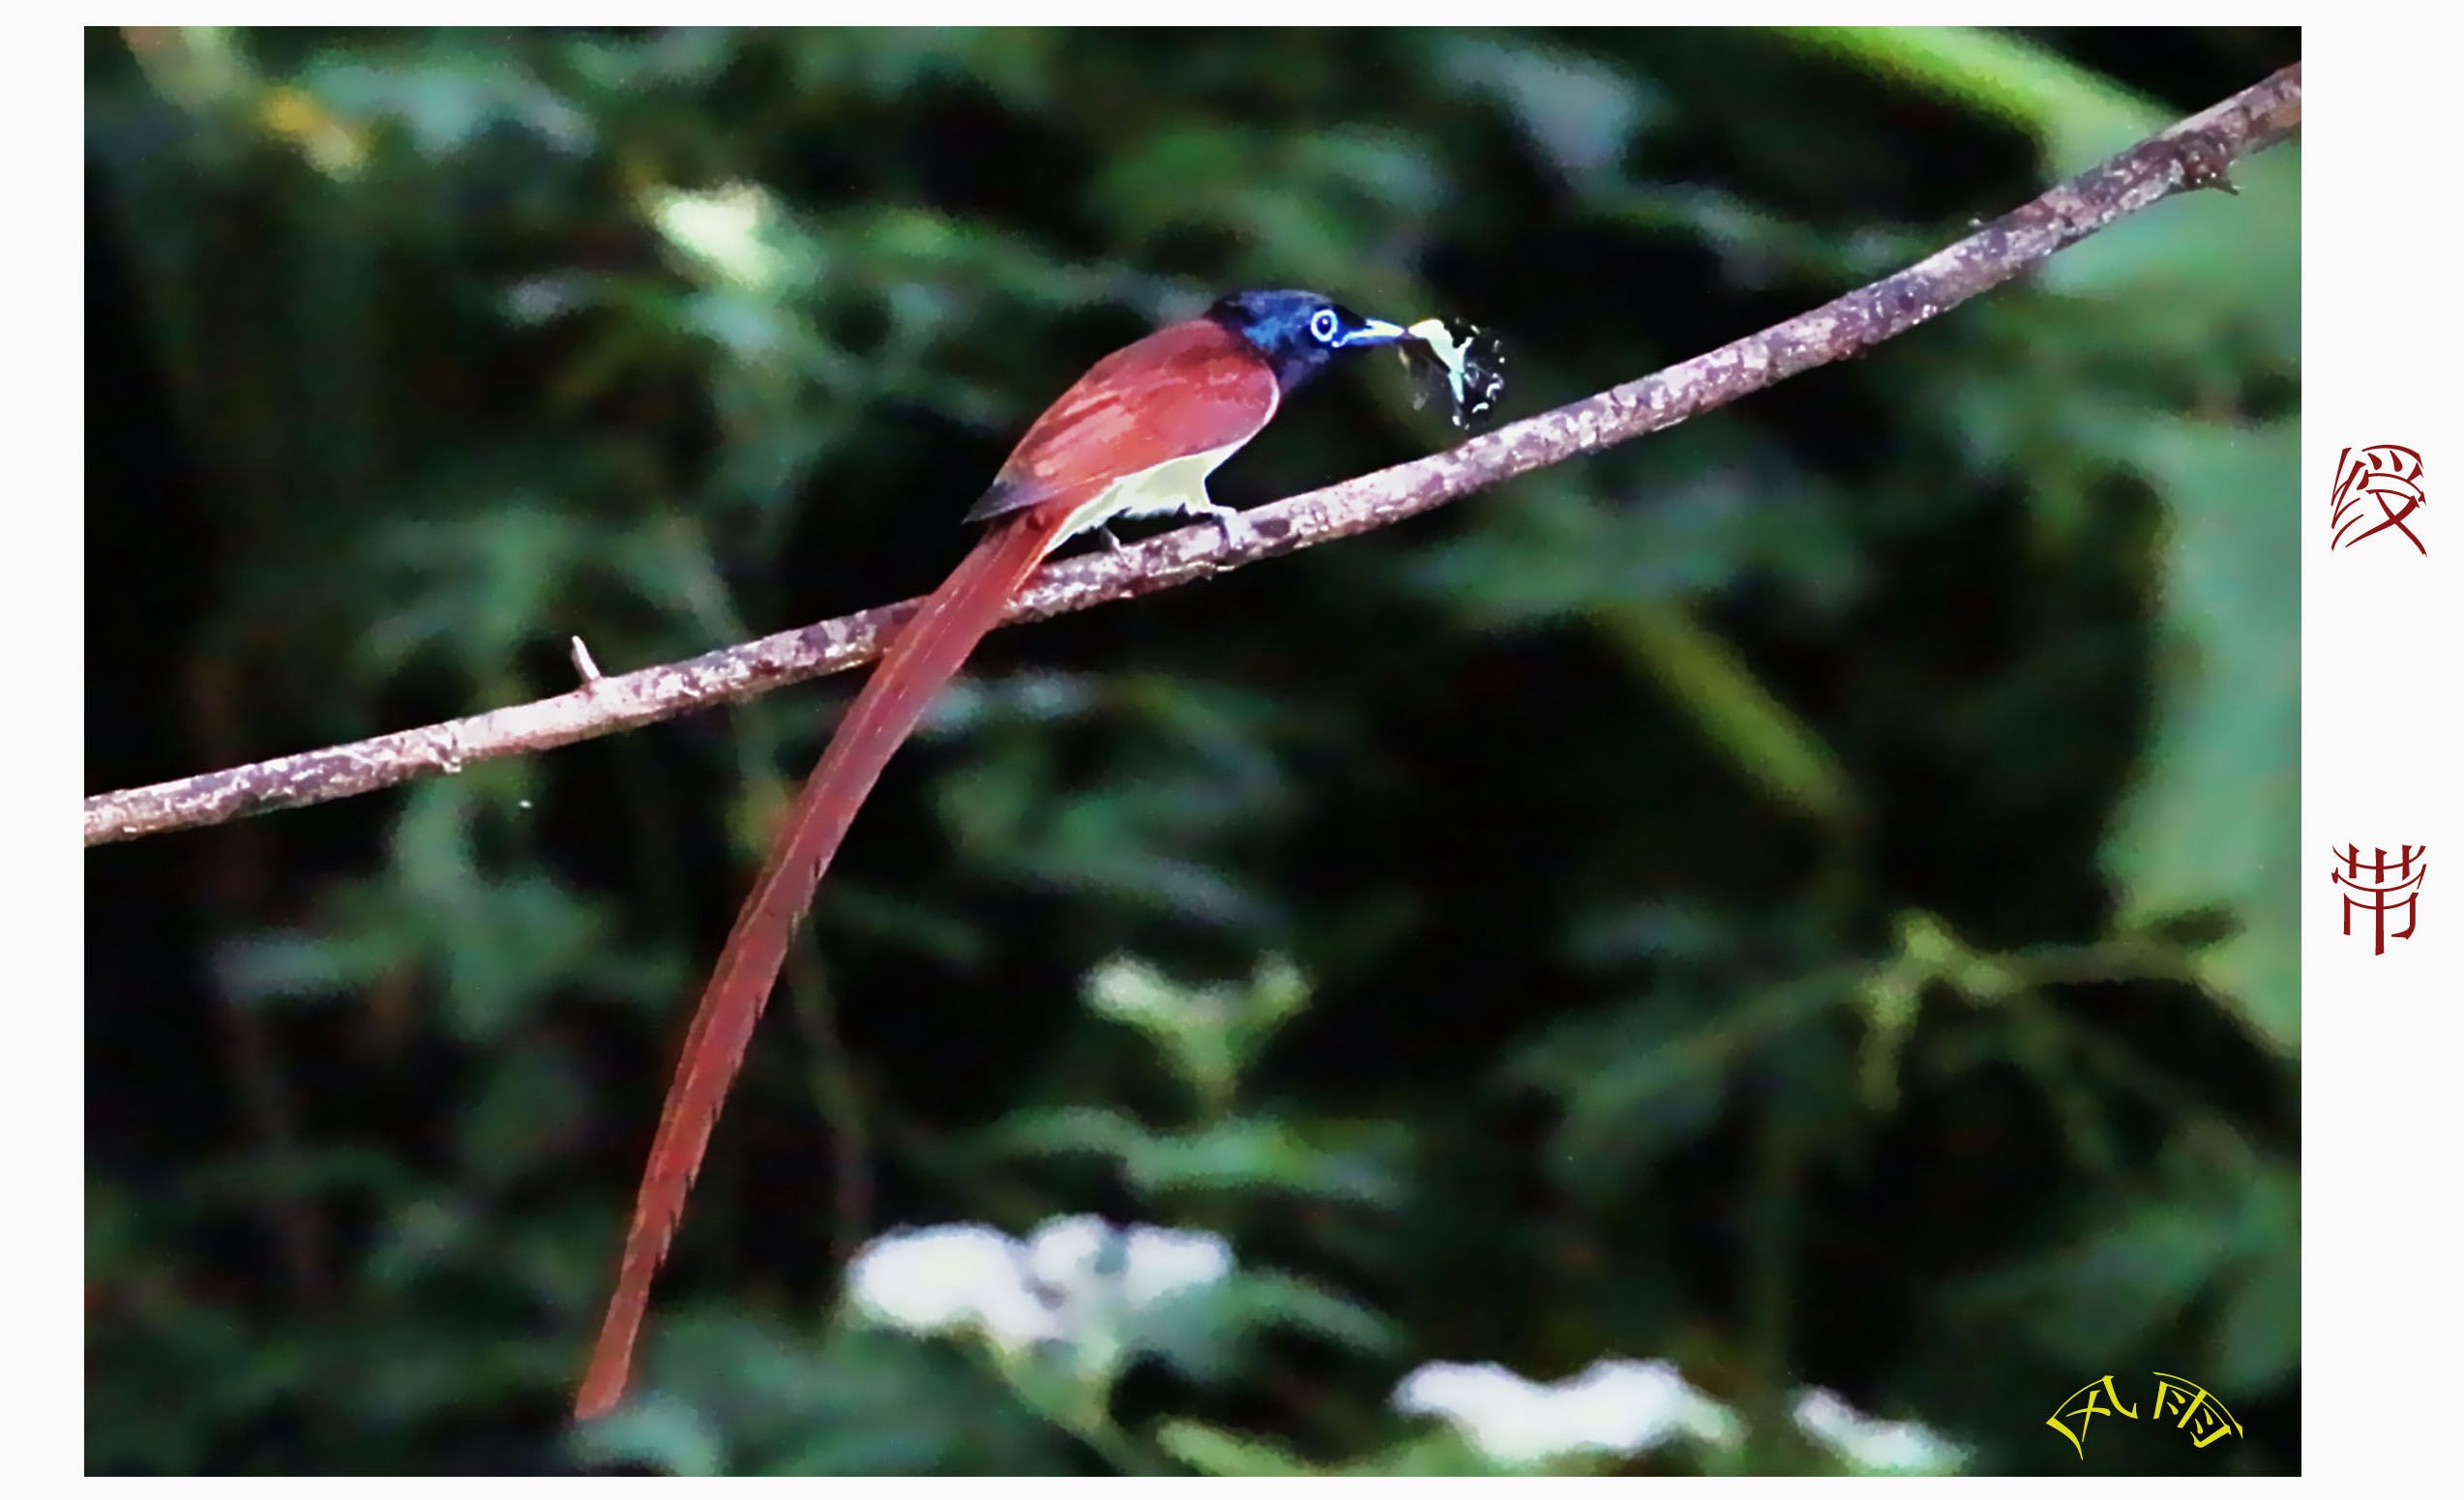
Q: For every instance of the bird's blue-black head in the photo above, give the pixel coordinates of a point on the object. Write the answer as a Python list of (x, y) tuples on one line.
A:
[(1299, 331)]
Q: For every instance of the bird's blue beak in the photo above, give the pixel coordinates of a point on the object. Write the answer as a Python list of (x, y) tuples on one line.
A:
[(1374, 331)]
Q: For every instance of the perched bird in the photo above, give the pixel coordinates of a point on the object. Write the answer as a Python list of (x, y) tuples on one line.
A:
[(1137, 435)]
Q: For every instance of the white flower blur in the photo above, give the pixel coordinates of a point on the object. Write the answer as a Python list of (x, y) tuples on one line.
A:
[(1083, 1256), (951, 1276), (1062, 1252), (1873, 1445), (1161, 1263), (1617, 1406), (727, 230), (1068, 1284)]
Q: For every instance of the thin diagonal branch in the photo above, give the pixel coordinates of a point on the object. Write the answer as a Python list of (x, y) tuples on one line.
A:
[(2192, 153)]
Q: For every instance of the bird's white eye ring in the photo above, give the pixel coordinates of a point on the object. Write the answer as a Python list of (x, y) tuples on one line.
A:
[(1322, 325)]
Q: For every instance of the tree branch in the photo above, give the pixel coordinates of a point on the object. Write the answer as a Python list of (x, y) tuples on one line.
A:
[(2192, 153)]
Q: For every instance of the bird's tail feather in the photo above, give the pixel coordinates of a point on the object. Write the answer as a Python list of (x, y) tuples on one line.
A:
[(926, 653)]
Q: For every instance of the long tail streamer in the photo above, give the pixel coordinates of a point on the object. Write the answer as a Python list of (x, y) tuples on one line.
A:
[(928, 651)]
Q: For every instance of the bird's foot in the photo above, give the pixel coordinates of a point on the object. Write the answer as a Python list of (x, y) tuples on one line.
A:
[(1238, 533)]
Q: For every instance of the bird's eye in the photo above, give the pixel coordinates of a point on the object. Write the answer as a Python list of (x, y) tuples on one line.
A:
[(1322, 325)]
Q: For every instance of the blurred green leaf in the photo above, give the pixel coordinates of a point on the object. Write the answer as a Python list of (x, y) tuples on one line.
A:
[(1211, 1450), (1579, 112), (2214, 819), (2132, 1280), (2080, 116), (1233, 1154)]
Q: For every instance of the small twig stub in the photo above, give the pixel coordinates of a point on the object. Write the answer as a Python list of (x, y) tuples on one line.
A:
[(583, 665)]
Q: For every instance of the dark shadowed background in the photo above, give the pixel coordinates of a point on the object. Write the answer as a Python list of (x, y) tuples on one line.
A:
[(1806, 896)]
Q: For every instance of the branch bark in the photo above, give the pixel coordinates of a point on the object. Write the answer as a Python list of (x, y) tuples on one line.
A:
[(2192, 153)]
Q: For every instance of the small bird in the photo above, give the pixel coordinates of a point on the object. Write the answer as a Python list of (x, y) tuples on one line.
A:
[(1137, 435)]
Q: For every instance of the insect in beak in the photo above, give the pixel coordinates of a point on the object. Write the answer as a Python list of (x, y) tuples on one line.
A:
[(1469, 365)]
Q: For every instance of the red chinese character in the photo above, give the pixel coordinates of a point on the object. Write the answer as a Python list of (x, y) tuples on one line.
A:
[(2385, 473), (2391, 877)]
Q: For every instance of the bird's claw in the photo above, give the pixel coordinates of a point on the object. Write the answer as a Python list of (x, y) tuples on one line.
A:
[(1238, 533)]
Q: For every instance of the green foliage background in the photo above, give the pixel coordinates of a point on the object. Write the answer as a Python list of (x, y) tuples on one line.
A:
[(1807, 895)]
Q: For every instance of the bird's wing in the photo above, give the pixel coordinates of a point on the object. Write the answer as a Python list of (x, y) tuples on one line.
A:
[(1187, 389)]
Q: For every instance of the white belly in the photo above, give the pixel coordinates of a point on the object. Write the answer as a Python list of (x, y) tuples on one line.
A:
[(1175, 487)]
